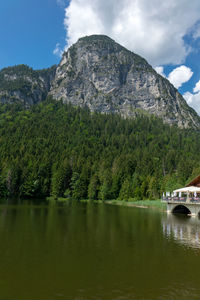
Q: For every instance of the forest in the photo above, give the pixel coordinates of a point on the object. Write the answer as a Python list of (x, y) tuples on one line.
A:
[(55, 149)]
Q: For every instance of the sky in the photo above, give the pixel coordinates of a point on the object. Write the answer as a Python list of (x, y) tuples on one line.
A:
[(165, 33)]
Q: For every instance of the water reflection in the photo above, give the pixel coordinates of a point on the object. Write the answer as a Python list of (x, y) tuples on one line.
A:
[(89, 251), (185, 230)]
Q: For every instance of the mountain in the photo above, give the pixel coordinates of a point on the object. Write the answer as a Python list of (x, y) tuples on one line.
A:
[(104, 76), (99, 73), (21, 83)]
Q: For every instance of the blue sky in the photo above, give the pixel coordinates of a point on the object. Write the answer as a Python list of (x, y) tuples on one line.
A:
[(29, 31), (167, 34)]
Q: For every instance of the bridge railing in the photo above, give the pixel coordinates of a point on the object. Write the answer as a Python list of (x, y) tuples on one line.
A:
[(195, 200), (181, 199), (174, 199), (166, 199)]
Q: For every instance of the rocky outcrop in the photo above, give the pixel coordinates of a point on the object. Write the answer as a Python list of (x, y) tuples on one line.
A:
[(23, 84), (99, 73)]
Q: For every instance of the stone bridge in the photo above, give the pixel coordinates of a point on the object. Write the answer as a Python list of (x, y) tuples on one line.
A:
[(187, 208)]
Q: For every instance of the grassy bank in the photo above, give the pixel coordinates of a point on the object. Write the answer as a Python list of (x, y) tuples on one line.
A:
[(140, 203), (65, 200)]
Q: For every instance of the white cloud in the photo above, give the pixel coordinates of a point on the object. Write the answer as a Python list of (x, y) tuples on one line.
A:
[(81, 21), (196, 89), (58, 51), (180, 75), (195, 31), (160, 70), (193, 100), (153, 29)]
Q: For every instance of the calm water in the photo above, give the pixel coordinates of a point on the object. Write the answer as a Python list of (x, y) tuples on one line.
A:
[(85, 251)]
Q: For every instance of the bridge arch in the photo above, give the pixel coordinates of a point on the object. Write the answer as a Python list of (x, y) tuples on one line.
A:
[(181, 209)]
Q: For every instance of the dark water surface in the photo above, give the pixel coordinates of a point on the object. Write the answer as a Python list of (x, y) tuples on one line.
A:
[(86, 251)]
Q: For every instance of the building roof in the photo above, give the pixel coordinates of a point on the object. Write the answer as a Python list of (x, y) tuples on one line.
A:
[(189, 189), (194, 182)]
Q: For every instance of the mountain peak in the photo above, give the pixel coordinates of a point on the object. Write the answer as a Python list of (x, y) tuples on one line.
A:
[(101, 41), (103, 75), (95, 37)]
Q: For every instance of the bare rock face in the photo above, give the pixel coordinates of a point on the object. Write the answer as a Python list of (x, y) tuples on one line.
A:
[(99, 73), (23, 84)]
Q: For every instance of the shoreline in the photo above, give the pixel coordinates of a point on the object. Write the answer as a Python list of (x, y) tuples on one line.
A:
[(153, 204)]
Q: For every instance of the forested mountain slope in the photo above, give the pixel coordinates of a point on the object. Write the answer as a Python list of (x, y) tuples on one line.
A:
[(23, 84), (60, 150)]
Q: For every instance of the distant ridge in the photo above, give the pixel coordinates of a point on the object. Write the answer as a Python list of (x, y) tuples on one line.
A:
[(99, 73)]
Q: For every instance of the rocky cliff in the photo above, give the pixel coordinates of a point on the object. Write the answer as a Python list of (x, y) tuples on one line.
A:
[(99, 73), (106, 77), (23, 84)]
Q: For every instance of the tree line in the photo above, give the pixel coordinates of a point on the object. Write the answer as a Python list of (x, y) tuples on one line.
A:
[(55, 149)]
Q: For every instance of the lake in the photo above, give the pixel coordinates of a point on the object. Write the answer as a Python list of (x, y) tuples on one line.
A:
[(89, 251)]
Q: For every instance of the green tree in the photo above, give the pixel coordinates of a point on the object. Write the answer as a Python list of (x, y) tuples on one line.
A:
[(93, 187), (126, 191)]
